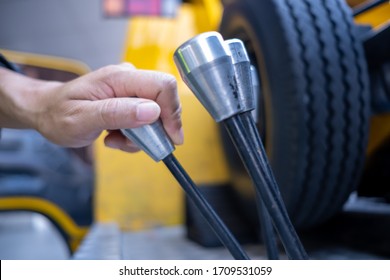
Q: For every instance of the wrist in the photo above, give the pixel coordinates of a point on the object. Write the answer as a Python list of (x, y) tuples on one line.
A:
[(22, 99), (34, 112)]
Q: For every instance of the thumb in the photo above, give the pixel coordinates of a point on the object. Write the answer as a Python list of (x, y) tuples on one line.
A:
[(116, 113)]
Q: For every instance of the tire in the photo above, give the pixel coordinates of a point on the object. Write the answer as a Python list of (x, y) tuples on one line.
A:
[(315, 88)]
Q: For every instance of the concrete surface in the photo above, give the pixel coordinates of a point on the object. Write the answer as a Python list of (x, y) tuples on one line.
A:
[(29, 236), (360, 232)]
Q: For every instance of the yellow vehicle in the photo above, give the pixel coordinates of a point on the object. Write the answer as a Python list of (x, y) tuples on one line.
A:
[(320, 118)]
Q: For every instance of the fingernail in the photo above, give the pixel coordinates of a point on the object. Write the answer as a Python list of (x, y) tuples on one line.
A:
[(147, 111)]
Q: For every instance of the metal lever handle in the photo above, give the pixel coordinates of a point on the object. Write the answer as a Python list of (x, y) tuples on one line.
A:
[(205, 65), (155, 142), (247, 96), (151, 138), (242, 72)]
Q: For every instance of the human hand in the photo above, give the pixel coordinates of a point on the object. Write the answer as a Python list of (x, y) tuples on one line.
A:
[(74, 114)]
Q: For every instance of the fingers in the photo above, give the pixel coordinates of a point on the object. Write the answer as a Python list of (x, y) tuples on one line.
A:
[(126, 81), (109, 91), (116, 140), (173, 125), (164, 92), (116, 113)]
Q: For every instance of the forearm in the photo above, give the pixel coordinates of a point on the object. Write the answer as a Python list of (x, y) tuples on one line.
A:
[(20, 97), (74, 114)]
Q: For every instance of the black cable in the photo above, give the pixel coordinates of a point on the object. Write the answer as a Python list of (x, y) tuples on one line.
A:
[(220, 229), (267, 230), (359, 9), (262, 177), (252, 131)]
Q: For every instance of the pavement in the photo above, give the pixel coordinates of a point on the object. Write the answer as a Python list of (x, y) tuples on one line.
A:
[(360, 232)]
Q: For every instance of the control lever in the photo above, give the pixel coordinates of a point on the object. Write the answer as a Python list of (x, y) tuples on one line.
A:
[(155, 142), (247, 83), (206, 66)]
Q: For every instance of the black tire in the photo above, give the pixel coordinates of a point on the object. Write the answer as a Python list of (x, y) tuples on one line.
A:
[(316, 95)]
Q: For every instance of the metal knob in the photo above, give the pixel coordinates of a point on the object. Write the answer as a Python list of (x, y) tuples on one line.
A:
[(241, 66), (152, 139), (205, 65)]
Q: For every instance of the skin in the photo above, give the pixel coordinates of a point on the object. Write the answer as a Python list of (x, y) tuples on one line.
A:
[(75, 113)]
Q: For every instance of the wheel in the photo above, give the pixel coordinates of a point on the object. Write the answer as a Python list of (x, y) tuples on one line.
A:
[(314, 84)]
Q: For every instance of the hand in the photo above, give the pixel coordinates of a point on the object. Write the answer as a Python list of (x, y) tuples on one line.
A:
[(74, 114)]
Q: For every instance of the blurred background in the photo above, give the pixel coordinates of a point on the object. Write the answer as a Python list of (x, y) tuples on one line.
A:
[(71, 29), (97, 203)]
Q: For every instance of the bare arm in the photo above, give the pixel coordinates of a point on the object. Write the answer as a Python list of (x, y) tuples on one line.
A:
[(74, 114)]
